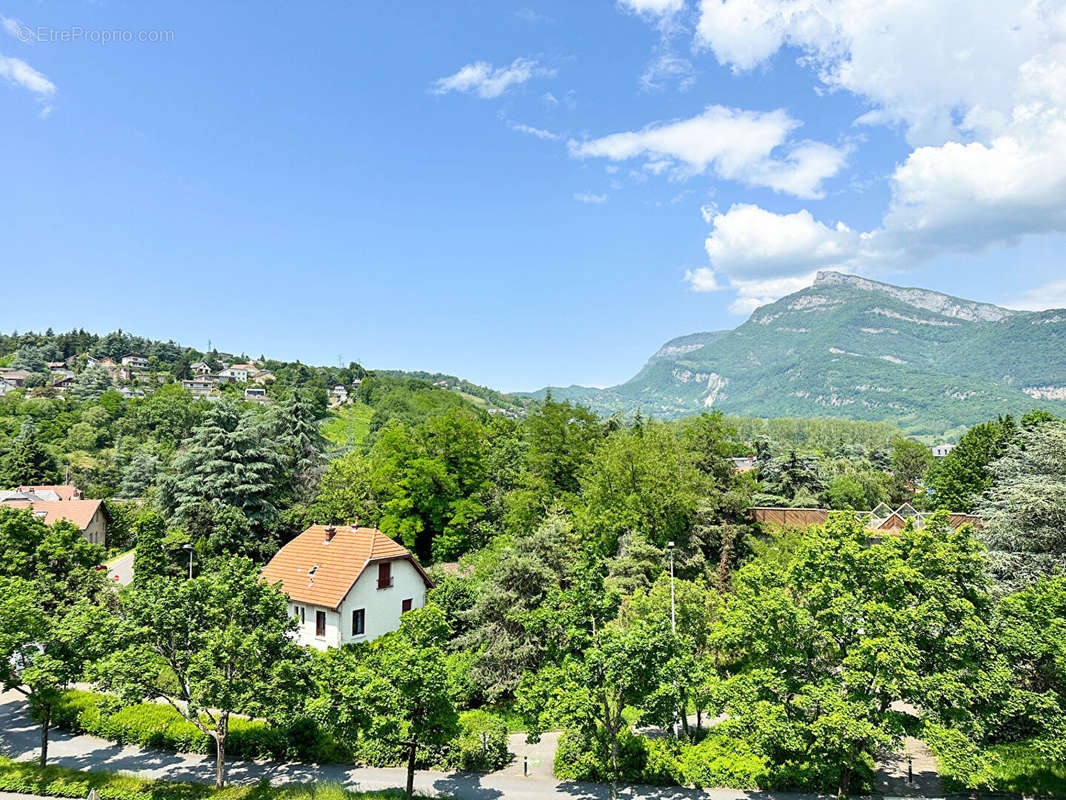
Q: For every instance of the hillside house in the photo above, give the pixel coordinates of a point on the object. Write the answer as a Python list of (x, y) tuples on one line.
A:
[(89, 516), (135, 360), (256, 394), (13, 378), (346, 584), (200, 386), (62, 491), (264, 377), (200, 368), (238, 372), (941, 450)]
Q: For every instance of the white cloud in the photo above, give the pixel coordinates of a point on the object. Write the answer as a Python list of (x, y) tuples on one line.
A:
[(980, 89), (486, 81), (658, 8), (11, 26), (732, 143), (22, 74), (666, 69), (935, 65), (540, 133), (749, 243), (589, 198)]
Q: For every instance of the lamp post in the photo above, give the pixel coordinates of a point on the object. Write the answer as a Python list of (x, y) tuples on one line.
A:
[(673, 617), (673, 621), (188, 549)]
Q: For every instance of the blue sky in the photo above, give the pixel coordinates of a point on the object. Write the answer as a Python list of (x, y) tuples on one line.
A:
[(521, 193)]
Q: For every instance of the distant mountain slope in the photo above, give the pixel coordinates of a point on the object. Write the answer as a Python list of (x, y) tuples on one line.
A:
[(855, 348)]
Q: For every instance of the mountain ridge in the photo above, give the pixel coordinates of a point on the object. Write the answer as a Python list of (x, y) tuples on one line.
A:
[(852, 347)]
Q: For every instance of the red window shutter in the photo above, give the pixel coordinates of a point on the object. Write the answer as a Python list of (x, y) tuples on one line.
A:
[(320, 623), (406, 606)]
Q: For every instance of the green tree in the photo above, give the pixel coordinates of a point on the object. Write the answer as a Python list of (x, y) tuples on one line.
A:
[(26, 461), (41, 651), (621, 669), (225, 636), (394, 691), (60, 562), (960, 477), (229, 459), (91, 384), (1024, 510)]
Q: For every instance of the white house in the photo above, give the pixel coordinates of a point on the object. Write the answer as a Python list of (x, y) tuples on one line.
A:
[(941, 450), (135, 360), (200, 368), (346, 584), (239, 372)]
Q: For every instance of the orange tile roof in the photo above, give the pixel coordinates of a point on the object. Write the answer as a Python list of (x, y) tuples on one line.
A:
[(65, 491), (339, 561), (80, 512)]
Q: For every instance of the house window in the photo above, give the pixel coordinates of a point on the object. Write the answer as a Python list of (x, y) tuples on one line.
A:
[(320, 623), (406, 606), (303, 615), (384, 575), (359, 622)]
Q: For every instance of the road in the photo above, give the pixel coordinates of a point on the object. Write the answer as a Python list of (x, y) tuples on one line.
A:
[(120, 569), (20, 738)]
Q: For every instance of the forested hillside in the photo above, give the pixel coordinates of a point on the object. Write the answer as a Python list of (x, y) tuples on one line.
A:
[(852, 348)]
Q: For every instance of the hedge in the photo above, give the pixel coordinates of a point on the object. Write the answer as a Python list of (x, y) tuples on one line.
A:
[(28, 778), (481, 745), (161, 726)]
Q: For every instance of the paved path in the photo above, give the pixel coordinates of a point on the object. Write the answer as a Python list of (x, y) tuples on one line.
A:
[(892, 772), (20, 739)]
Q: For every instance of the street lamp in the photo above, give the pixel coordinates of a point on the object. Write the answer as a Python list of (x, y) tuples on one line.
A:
[(673, 622), (673, 618), (188, 549)]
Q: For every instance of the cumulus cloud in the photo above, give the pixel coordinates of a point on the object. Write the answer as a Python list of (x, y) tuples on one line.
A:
[(752, 147), (979, 88), (486, 81), (18, 72)]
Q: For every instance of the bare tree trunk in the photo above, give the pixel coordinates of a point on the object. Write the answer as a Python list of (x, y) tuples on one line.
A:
[(412, 748), (220, 756), (46, 720)]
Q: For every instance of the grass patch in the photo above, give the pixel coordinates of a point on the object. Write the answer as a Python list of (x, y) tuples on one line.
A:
[(349, 423), (27, 778), (1019, 768)]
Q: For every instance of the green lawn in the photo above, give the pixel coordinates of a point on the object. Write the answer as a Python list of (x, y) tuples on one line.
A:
[(26, 778), (348, 424), (1020, 769)]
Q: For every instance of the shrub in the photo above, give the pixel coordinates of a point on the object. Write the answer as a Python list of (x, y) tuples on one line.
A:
[(161, 726), (960, 761), (481, 745), (726, 762)]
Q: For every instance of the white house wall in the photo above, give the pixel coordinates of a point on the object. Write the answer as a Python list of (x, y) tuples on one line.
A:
[(383, 607)]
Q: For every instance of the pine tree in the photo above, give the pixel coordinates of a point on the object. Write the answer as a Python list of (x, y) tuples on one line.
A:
[(230, 459), (27, 462)]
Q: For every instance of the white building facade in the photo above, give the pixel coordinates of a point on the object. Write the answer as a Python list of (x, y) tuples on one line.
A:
[(346, 585)]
